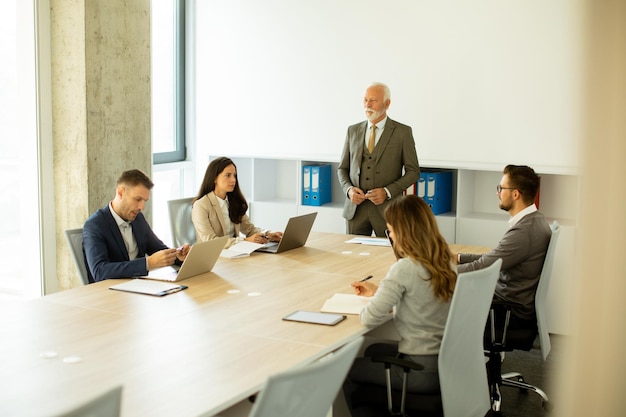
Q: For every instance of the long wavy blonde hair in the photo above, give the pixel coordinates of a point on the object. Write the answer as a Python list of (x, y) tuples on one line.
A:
[(416, 236)]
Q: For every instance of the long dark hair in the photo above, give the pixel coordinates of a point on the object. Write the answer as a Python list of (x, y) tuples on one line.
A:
[(237, 204), (417, 237)]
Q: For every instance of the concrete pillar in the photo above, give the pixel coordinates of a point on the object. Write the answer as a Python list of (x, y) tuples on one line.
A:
[(101, 107)]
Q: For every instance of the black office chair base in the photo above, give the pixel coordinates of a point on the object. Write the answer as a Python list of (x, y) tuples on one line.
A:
[(516, 380)]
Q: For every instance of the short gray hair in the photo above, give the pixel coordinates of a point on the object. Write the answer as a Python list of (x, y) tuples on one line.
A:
[(385, 89)]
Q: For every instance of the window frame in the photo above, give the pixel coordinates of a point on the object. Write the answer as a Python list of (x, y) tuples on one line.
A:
[(180, 151)]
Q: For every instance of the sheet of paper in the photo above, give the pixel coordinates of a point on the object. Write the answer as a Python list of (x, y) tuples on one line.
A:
[(371, 241), (345, 304), (240, 249)]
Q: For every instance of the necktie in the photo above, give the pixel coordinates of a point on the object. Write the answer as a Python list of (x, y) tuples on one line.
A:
[(372, 141)]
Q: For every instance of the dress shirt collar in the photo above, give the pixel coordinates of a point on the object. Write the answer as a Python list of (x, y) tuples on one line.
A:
[(120, 222), (380, 125), (519, 216)]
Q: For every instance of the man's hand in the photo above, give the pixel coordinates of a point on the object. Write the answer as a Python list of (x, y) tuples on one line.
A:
[(165, 257), (377, 196), (181, 253), (357, 196)]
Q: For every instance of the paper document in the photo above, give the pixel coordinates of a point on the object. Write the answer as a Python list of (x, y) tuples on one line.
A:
[(146, 286), (345, 304), (371, 241), (241, 249)]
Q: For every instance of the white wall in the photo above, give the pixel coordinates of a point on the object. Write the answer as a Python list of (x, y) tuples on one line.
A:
[(482, 82)]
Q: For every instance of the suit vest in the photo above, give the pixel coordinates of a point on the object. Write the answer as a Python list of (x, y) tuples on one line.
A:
[(367, 176)]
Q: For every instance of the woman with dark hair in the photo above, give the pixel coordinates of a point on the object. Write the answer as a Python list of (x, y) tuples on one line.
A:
[(417, 290), (220, 208)]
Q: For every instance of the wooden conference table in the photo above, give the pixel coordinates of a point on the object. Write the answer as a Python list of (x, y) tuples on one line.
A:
[(192, 353)]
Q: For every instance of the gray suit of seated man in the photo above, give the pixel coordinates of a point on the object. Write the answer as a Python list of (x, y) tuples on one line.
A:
[(522, 248)]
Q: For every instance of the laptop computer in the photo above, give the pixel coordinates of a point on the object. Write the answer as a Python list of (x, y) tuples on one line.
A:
[(294, 236), (201, 258)]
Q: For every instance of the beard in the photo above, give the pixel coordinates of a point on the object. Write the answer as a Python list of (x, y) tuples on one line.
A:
[(373, 114), (505, 206)]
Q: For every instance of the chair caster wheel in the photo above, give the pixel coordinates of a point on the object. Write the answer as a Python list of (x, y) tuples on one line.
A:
[(547, 406)]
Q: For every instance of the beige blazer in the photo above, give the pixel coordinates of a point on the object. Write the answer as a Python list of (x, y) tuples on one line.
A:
[(209, 223)]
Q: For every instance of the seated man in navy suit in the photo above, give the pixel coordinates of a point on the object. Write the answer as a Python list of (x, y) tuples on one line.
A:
[(117, 240)]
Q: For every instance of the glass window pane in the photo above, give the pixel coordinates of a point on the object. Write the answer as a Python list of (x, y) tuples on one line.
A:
[(19, 225), (9, 148), (163, 76), (167, 186)]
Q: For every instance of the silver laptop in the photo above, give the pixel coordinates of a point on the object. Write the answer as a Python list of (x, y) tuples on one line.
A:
[(201, 258), (294, 236)]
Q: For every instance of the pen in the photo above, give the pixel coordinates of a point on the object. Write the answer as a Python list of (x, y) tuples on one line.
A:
[(173, 290), (366, 278)]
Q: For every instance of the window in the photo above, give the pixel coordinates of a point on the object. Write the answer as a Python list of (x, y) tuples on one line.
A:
[(168, 81), (172, 170), (25, 156)]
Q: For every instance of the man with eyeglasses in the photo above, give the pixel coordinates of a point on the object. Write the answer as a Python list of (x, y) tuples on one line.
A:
[(522, 248)]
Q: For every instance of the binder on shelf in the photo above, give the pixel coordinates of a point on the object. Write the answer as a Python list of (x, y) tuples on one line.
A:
[(438, 190), (306, 185), (317, 179), (421, 186), (412, 190)]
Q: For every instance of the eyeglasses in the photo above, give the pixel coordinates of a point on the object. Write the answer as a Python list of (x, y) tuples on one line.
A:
[(389, 237), (499, 188)]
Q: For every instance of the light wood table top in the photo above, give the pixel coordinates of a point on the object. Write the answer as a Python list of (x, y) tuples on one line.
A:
[(195, 352)]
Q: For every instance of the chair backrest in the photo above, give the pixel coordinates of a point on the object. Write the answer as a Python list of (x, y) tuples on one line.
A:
[(75, 240), (107, 404), (180, 221), (462, 371), (542, 292), (308, 391)]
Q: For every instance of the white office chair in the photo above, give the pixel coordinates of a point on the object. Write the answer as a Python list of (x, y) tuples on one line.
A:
[(180, 221), (308, 391), (464, 389), (520, 339), (74, 238), (107, 404), (462, 372)]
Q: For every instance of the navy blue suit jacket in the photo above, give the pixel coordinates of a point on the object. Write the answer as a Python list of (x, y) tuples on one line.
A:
[(105, 251)]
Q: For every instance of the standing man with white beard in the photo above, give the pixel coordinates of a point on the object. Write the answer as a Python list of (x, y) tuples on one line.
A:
[(371, 167)]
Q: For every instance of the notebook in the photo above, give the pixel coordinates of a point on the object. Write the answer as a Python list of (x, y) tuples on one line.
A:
[(201, 258), (294, 236), (345, 304)]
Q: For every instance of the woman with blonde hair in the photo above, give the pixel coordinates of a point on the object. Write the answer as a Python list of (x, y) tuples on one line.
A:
[(417, 291)]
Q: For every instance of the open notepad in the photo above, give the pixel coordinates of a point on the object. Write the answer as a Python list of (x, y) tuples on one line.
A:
[(370, 241), (241, 249), (345, 304)]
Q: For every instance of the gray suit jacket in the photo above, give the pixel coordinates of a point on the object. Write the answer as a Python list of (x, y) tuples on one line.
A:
[(394, 151), (522, 250)]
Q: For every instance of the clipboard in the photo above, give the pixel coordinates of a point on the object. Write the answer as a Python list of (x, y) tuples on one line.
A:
[(148, 287)]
